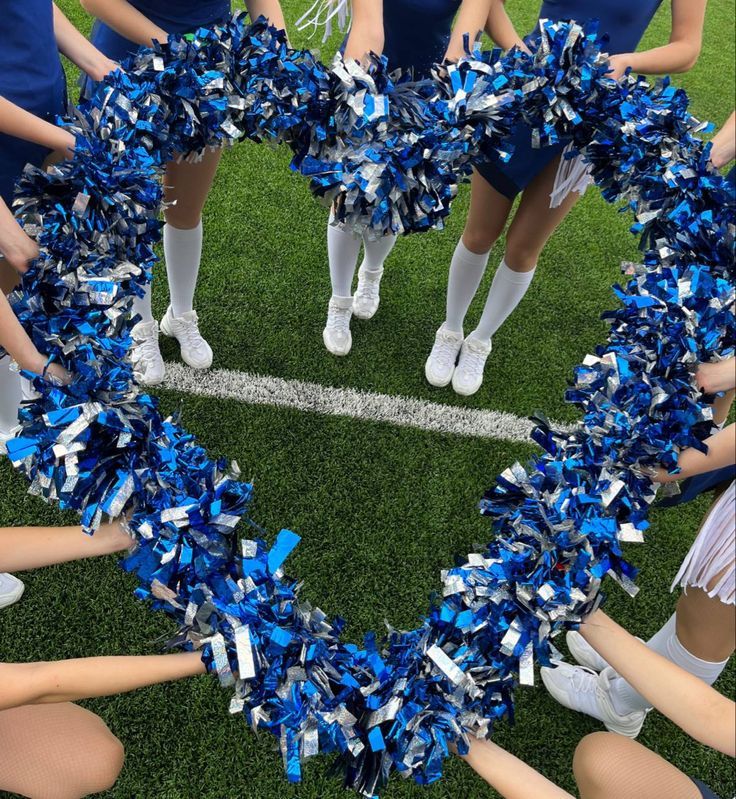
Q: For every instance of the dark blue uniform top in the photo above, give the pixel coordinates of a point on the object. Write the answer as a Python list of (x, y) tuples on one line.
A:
[(31, 76), (625, 21), (174, 16), (417, 32)]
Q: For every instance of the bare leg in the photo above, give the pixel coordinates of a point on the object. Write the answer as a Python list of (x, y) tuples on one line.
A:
[(57, 752), (609, 766), (706, 627), (532, 226), (487, 217), (722, 406), (489, 211), (534, 221), (24, 548), (188, 185)]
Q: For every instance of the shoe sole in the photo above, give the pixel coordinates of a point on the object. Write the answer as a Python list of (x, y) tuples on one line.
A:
[(332, 352), (11, 599), (463, 393), (432, 382), (199, 366), (365, 317)]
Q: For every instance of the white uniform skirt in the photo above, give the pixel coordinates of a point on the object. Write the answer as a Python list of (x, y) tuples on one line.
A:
[(573, 175), (710, 563)]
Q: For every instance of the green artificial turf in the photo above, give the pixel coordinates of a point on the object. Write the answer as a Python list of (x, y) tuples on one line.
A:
[(381, 510)]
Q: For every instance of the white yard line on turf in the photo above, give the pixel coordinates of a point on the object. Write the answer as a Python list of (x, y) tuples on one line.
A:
[(254, 389)]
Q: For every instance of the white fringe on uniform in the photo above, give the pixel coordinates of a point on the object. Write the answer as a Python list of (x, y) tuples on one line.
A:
[(573, 174), (713, 552), (322, 13)]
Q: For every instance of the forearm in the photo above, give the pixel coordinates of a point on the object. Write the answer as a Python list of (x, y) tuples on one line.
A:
[(669, 59), (692, 462), (724, 143), (270, 9), (86, 678), (24, 548), (500, 28), (691, 704), (511, 777), (77, 48), (16, 121), (126, 20), (366, 32), (471, 20), (15, 341)]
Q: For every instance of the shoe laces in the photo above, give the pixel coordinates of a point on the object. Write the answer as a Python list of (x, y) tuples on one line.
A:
[(188, 330), (474, 356), (145, 347), (445, 349), (338, 319), (584, 680), (369, 285)]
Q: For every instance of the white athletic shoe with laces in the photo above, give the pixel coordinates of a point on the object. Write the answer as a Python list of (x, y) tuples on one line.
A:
[(440, 365), (468, 375), (145, 354), (336, 335), (11, 590), (584, 653), (195, 351), (581, 689), (367, 296)]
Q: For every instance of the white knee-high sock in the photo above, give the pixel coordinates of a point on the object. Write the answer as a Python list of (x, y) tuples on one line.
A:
[(10, 396), (142, 306), (625, 699), (507, 291), (466, 271), (342, 250), (376, 251), (183, 253)]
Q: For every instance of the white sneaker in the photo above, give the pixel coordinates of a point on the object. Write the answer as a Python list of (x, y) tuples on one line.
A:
[(11, 590), (336, 335), (581, 689), (584, 653), (468, 375), (367, 296), (195, 351), (440, 365), (145, 354), (5, 436)]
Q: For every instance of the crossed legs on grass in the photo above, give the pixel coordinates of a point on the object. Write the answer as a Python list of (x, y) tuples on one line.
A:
[(186, 187), (462, 360)]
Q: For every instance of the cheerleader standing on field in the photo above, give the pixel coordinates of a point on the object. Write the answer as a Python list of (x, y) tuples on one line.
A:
[(412, 34), (121, 28), (549, 188)]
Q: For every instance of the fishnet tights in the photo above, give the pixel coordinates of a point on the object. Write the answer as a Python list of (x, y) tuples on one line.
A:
[(58, 751), (609, 766)]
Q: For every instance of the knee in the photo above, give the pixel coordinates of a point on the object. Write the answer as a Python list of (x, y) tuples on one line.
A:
[(105, 768), (182, 218), (520, 255), (479, 239), (591, 763)]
